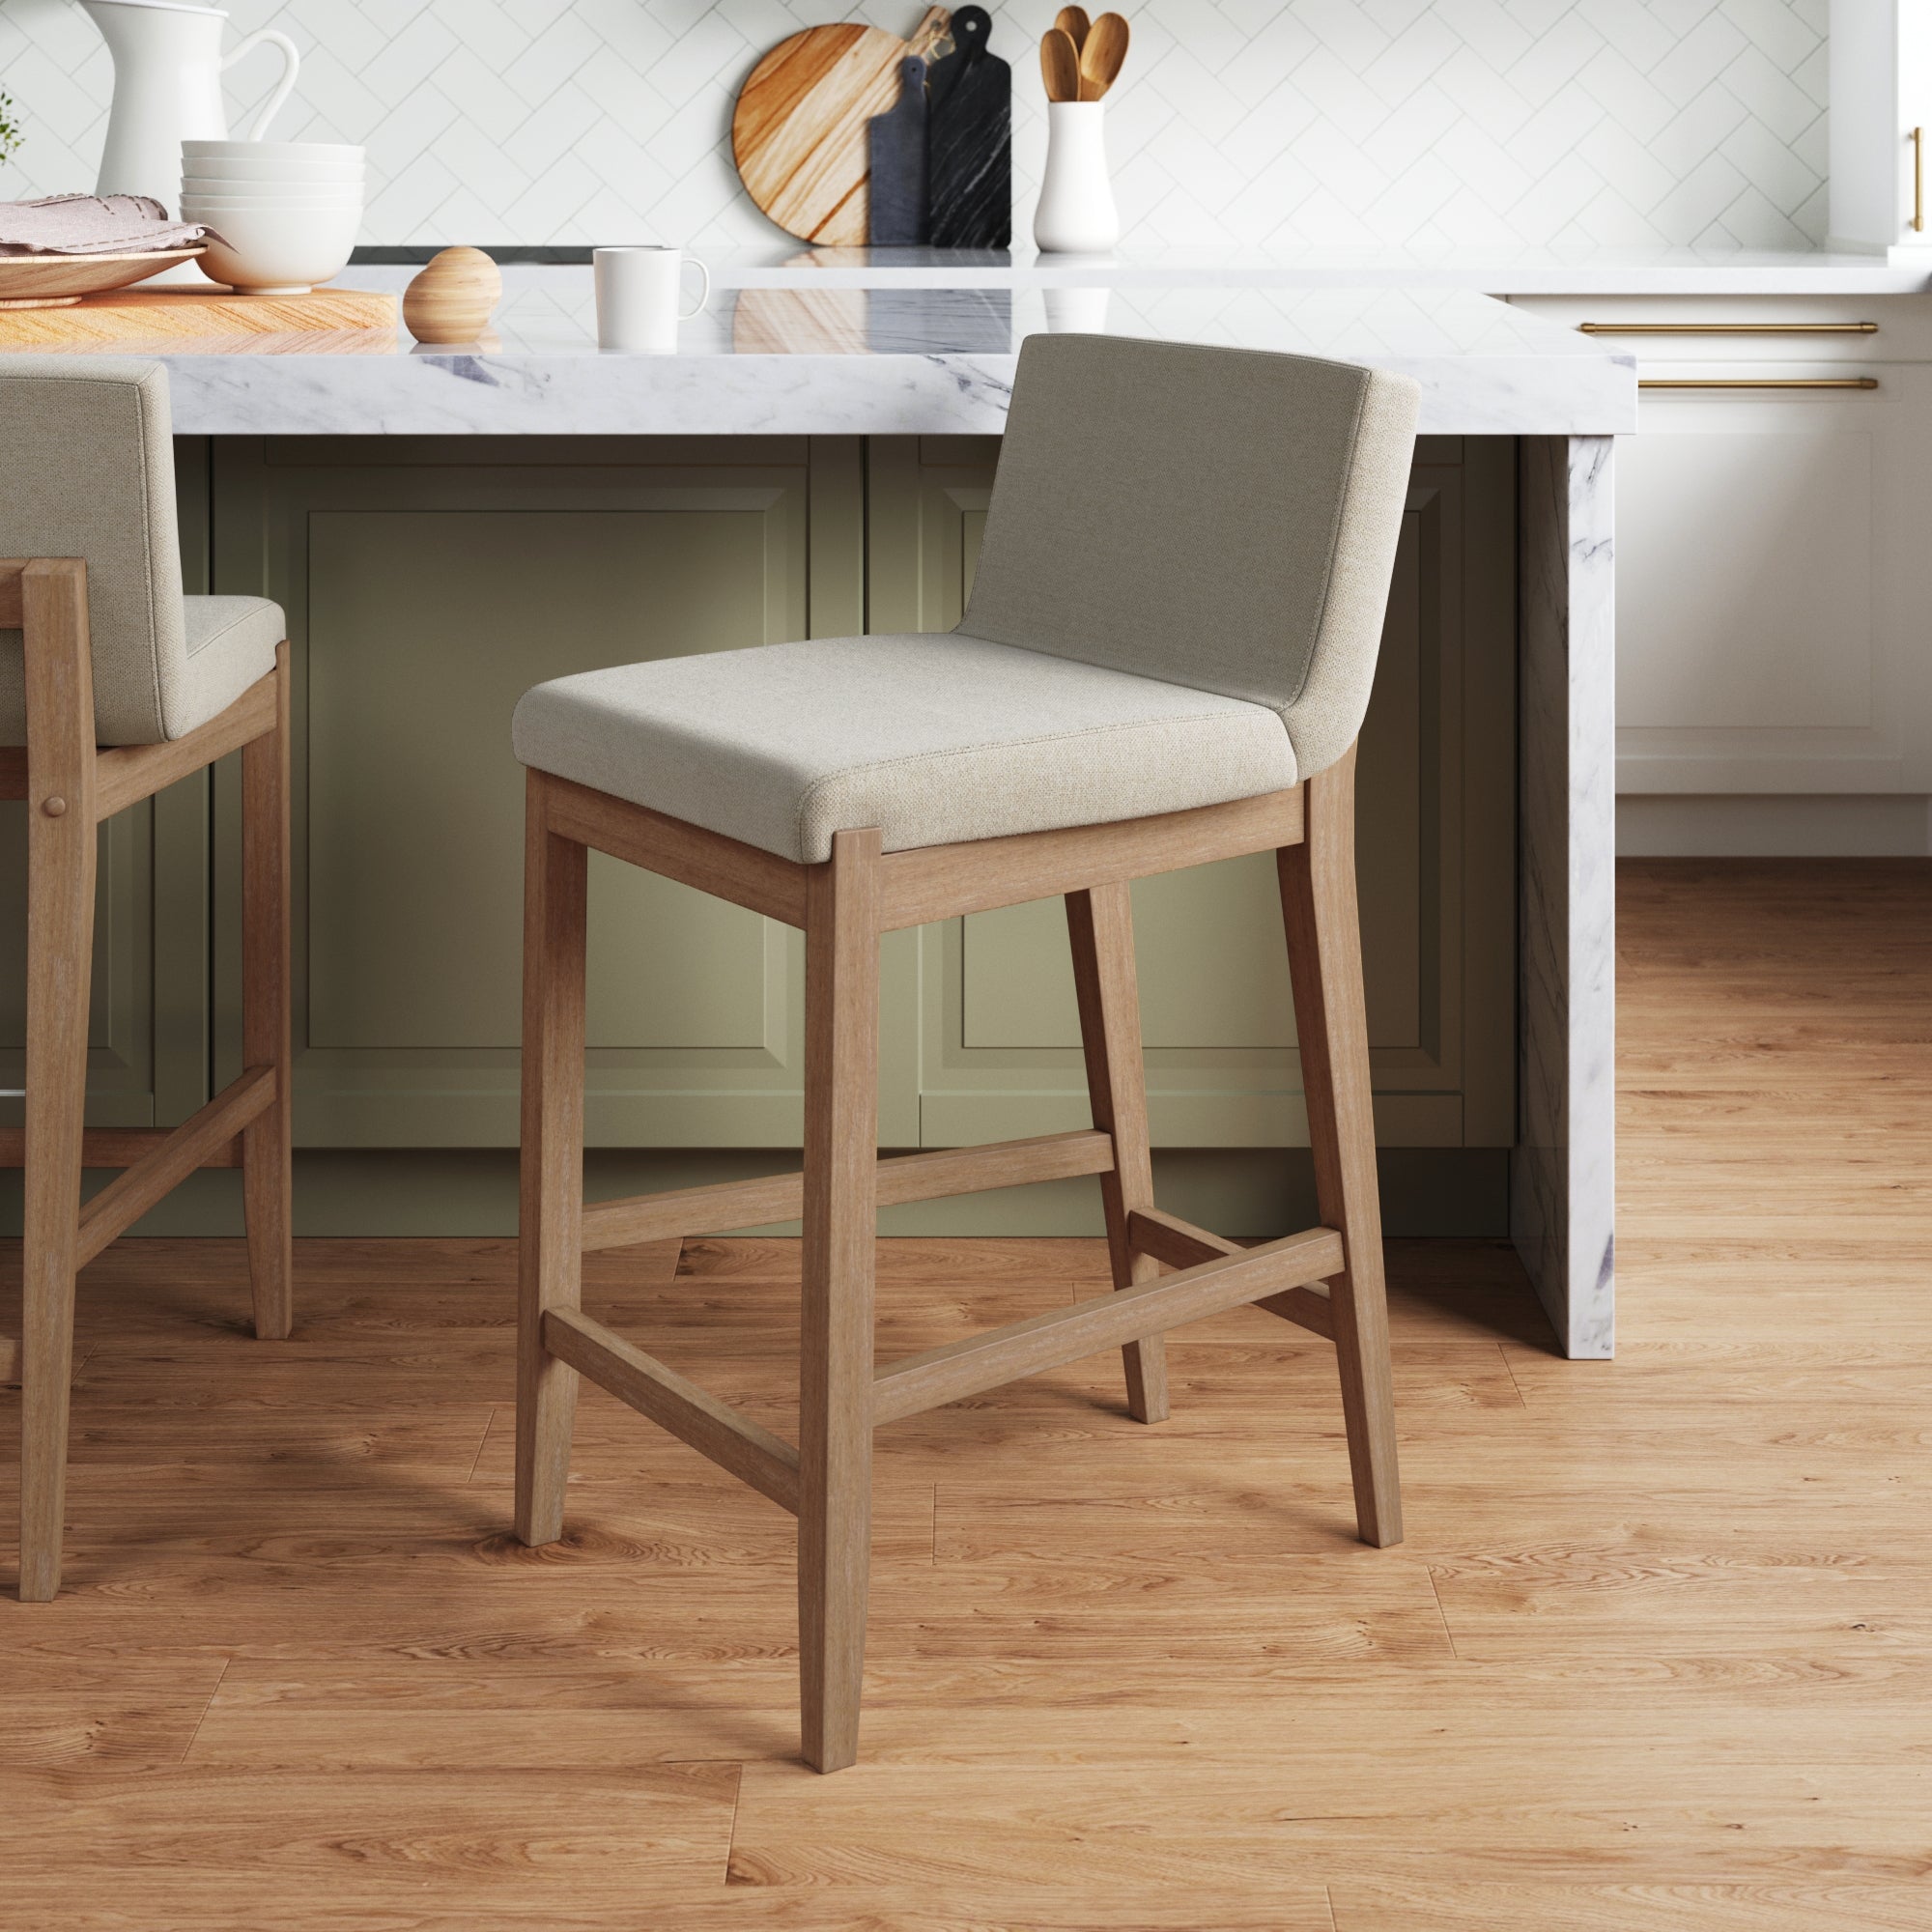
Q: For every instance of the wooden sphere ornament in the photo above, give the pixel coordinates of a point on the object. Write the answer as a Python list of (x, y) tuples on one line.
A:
[(454, 297)]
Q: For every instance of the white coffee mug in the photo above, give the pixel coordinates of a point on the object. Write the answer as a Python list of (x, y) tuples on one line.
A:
[(637, 291)]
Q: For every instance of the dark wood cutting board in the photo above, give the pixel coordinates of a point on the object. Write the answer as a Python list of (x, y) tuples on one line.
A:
[(899, 212)]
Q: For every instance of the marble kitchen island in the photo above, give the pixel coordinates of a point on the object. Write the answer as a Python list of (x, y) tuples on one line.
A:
[(794, 359)]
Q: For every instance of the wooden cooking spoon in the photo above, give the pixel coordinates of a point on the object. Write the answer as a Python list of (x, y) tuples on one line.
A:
[(1073, 21), (1060, 65), (1100, 58)]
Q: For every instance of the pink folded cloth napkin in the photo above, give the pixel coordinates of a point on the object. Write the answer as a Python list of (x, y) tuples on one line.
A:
[(92, 224)]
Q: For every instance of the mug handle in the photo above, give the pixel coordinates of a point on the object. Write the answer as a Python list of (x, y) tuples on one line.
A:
[(291, 62), (704, 289)]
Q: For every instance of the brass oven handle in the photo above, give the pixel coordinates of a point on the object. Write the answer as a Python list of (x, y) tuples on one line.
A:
[(1757, 382), (1727, 327)]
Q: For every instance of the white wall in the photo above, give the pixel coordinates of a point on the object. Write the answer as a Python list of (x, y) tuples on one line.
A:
[(1579, 123)]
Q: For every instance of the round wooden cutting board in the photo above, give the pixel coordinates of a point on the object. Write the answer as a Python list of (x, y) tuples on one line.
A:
[(799, 132)]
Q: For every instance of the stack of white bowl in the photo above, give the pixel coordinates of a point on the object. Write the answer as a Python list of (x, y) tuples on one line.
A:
[(287, 213)]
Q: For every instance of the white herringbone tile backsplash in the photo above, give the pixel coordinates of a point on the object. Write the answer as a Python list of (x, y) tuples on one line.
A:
[(1436, 125)]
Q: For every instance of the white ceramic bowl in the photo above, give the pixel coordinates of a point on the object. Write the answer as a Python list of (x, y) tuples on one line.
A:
[(307, 199), (214, 167), (279, 250), (270, 151)]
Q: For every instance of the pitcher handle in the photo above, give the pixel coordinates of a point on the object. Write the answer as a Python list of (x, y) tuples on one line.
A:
[(291, 62)]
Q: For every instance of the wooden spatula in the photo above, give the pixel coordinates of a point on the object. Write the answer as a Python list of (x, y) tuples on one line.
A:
[(1060, 65), (1073, 21), (1100, 58)]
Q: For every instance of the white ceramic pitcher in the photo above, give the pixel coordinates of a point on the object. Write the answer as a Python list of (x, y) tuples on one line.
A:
[(167, 89)]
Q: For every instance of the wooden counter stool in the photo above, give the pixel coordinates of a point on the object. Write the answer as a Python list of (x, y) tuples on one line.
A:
[(1165, 659), (112, 685)]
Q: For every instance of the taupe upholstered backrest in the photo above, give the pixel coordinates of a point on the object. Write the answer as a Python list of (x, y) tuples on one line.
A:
[(87, 470), (1217, 518)]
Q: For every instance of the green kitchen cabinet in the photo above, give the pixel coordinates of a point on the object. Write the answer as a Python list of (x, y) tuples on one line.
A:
[(999, 1035), (148, 1043), (429, 582)]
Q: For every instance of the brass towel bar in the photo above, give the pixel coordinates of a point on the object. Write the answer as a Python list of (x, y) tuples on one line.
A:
[(1728, 327), (1757, 382)]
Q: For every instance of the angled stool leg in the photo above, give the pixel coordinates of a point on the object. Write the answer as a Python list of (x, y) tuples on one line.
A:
[(1325, 957), (550, 1257), (1100, 924), (60, 952), (266, 1178), (834, 1437)]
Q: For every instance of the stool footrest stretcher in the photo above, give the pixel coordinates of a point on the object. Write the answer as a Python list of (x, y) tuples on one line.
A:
[(906, 1177), (946, 1374), (1180, 1244), (713, 1428)]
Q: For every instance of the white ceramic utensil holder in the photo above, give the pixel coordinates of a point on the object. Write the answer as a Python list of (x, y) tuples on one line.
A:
[(1076, 213)]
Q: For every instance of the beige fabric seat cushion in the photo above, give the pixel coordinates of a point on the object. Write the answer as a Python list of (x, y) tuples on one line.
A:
[(231, 643), (934, 739)]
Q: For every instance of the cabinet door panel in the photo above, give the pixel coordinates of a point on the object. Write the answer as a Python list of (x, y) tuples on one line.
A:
[(1773, 580), (999, 1047), (1745, 593), (425, 628), (428, 584)]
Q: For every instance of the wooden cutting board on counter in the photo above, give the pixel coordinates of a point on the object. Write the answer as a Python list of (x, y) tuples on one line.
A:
[(178, 319), (801, 132)]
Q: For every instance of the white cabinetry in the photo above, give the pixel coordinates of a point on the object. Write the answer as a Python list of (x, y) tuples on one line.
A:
[(1774, 544), (1881, 127)]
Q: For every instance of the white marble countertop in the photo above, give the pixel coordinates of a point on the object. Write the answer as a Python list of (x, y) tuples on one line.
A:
[(1537, 271), (793, 354)]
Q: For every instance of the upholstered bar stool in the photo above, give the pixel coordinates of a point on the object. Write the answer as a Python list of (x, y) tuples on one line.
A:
[(112, 685), (1165, 659)]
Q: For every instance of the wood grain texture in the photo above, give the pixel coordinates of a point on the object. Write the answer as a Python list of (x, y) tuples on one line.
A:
[(1100, 931), (117, 1147), (127, 774), (910, 1176), (148, 1180), (1041, 1342), (840, 1226), (943, 881), (550, 1215), (1325, 958), (267, 1140), (1180, 1244), (144, 317), (801, 129), (713, 1428), (1653, 1657), (676, 850), (454, 297), (62, 780), (60, 953)]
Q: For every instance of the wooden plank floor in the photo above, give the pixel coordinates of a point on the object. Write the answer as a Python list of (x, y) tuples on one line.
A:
[(1657, 1656)]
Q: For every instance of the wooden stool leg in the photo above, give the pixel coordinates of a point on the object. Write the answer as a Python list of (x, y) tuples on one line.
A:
[(265, 1177), (1100, 924), (60, 956), (550, 1248), (1325, 957), (835, 1439)]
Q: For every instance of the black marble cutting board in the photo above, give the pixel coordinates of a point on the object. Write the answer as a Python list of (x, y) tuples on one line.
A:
[(898, 215), (970, 140)]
